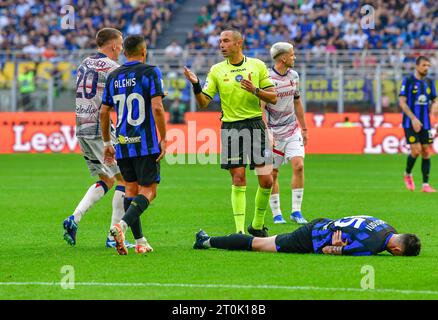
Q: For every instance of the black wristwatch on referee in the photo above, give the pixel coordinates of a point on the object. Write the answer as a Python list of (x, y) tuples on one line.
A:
[(256, 92)]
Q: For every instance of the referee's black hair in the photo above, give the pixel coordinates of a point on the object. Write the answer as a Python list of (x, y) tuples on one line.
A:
[(233, 30), (133, 44), (420, 59)]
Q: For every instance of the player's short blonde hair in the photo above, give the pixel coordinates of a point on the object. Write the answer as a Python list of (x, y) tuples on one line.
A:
[(279, 48)]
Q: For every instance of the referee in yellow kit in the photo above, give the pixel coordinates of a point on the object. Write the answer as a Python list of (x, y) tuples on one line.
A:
[(241, 83)]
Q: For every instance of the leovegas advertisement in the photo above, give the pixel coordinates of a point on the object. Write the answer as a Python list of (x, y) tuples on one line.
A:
[(42, 132)]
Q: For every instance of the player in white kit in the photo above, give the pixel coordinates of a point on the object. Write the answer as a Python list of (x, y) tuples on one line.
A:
[(287, 125), (90, 83)]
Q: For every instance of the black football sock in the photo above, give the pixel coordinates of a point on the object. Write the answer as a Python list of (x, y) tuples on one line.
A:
[(234, 241), (410, 164), (425, 168), (136, 226), (138, 205)]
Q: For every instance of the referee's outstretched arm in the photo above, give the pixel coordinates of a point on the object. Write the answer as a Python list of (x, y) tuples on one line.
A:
[(201, 99)]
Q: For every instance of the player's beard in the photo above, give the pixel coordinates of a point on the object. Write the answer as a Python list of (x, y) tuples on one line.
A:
[(423, 74)]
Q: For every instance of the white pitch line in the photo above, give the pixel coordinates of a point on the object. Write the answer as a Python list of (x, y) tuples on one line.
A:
[(219, 286)]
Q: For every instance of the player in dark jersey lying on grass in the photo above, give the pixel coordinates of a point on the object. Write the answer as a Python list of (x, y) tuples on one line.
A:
[(355, 236)]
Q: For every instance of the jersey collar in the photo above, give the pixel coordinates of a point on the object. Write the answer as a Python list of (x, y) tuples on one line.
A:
[(239, 64), (387, 240), (99, 55), (281, 75), (130, 63)]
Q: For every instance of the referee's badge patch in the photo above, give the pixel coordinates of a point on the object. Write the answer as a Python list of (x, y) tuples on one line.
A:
[(239, 78)]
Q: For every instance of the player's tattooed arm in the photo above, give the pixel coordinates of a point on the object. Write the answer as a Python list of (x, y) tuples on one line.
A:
[(335, 250), (337, 239), (337, 244)]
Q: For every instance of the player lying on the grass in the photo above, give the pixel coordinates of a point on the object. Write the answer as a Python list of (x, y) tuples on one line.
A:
[(355, 236)]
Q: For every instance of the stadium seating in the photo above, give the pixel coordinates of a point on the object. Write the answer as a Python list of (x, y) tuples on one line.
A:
[(320, 25), (34, 27)]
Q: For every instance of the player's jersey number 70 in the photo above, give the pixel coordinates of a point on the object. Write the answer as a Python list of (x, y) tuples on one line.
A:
[(123, 101)]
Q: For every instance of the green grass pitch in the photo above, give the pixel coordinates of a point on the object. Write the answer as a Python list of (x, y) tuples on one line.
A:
[(38, 191)]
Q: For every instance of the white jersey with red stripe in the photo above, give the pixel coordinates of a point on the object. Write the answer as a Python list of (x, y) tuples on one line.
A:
[(281, 116), (90, 83)]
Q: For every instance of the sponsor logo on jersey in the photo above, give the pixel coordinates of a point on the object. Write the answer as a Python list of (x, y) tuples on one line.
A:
[(422, 99), (238, 70), (285, 93), (128, 140)]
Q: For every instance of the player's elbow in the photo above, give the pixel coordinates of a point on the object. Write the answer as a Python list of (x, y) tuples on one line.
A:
[(273, 99), (157, 108)]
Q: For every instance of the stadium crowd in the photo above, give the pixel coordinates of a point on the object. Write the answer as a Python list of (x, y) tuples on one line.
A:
[(34, 27), (319, 25)]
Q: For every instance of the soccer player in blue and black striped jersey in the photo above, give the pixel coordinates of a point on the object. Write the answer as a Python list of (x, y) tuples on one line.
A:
[(417, 98), (354, 236), (135, 90)]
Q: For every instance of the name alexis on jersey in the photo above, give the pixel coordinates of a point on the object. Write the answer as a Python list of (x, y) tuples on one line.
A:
[(131, 82)]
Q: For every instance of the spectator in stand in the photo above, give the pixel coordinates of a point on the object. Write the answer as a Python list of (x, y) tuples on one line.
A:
[(306, 22), (173, 50), (23, 23)]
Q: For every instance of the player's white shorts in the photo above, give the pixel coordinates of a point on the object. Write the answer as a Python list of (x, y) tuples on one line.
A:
[(92, 149), (284, 150)]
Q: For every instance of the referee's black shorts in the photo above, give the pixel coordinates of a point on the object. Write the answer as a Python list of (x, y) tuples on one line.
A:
[(144, 170), (245, 142), (298, 241)]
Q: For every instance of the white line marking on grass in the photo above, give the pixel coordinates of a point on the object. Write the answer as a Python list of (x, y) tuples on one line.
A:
[(220, 286)]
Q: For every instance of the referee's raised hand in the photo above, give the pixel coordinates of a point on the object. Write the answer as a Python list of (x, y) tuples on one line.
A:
[(193, 78), (247, 84)]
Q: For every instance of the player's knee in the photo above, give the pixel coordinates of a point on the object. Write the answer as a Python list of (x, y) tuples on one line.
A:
[(266, 182), (425, 153), (149, 192), (298, 168), (415, 151), (120, 180), (152, 195), (274, 174), (239, 180), (108, 181)]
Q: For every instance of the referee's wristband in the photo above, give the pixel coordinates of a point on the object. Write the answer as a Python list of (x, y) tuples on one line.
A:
[(107, 143), (197, 89)]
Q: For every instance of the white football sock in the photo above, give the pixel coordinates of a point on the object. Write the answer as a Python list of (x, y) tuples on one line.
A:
[(94, 194), (297, 199), (123, 225), (141, 241), (118, 209), (274, 202)]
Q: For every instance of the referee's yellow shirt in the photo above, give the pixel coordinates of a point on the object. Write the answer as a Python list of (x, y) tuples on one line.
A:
[(237, 103)]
